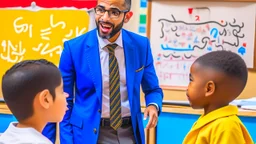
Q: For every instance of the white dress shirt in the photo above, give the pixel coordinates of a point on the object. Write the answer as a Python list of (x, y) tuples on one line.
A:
[(15, 135), (104, 60)]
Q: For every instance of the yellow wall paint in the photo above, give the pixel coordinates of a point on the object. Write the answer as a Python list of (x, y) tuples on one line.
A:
[(29, 34)]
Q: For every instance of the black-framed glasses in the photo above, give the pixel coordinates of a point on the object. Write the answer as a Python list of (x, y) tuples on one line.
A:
[(112, 13)]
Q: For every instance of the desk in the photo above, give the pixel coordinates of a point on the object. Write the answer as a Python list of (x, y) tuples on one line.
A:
[(175, 122)]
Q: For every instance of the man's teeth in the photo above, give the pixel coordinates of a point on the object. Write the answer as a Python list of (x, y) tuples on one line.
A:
[(106, 26)]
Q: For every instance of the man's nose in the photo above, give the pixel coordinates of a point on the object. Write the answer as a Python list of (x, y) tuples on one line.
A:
[(105, 17)]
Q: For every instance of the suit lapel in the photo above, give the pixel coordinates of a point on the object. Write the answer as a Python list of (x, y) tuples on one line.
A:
[(93, 61), (129, 63)]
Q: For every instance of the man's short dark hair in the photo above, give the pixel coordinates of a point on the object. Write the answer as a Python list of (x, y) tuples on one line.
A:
[(227, 62), (128, 4), (24, 80)]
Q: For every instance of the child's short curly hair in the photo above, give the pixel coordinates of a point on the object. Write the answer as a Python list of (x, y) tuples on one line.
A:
[(227, 62)]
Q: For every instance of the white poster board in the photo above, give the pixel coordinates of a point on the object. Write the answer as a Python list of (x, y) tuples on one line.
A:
[(183, 31)]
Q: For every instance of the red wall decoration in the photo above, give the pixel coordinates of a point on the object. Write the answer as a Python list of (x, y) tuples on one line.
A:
[(49, 3)]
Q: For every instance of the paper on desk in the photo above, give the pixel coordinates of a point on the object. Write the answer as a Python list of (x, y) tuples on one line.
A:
[(1, 100), (245, 103), (249, 107)]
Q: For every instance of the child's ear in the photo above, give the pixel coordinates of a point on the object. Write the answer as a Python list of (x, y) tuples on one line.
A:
[(210, 88), (45, 99)]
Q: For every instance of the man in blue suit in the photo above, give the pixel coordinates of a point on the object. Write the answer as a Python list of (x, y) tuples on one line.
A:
[(102, 72)]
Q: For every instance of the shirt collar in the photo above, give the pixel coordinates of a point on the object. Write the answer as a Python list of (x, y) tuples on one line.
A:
[(105, 42), (216, 114)]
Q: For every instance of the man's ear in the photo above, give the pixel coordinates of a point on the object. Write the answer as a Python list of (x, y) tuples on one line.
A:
[(45, 99), (210, 88), (128, 16)]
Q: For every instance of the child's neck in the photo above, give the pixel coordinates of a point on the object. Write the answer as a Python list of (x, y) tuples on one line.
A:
[(213, 107), (33, 123)]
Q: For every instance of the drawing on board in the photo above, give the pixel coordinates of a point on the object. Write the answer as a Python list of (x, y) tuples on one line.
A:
[(26, 37), (182, 33), (27, 34)]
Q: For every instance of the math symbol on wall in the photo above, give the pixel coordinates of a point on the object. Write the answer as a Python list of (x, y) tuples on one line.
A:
[(12, 52), (45, 48), (21, 27), (78, 32)]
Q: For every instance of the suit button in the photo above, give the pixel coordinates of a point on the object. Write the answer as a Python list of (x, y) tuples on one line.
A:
[(95, 130), (99, 110)]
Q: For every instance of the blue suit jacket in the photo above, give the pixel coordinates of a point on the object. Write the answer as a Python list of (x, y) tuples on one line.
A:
[(81, 71)]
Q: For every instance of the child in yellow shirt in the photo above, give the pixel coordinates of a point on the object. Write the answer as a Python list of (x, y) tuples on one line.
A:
[(216, 79)]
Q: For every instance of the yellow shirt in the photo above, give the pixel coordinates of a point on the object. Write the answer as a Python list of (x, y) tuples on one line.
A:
[(221, 126)]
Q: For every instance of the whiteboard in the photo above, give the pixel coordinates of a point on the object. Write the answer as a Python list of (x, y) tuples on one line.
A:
[(183, 31)]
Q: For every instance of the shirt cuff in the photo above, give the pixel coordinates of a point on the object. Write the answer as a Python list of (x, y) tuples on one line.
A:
[(157, 108)]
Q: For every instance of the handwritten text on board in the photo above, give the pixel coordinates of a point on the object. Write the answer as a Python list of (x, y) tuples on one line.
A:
[(32, 35)]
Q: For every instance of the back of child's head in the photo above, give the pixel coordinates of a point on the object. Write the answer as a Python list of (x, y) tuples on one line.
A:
[(229, 63), (24, 80)]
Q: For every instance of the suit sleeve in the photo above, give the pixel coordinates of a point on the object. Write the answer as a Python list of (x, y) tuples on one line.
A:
[(66, 67), (49, 131), (153, 93)]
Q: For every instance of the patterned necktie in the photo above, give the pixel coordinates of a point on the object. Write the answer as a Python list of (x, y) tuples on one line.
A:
[(114, 89)]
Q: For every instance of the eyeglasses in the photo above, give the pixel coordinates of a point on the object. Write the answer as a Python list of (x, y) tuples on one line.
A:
[(112, 13)]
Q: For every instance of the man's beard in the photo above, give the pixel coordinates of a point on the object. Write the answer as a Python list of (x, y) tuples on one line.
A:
[(114, 31)]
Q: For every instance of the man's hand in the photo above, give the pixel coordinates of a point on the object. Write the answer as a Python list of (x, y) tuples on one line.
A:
[(151, 111)]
